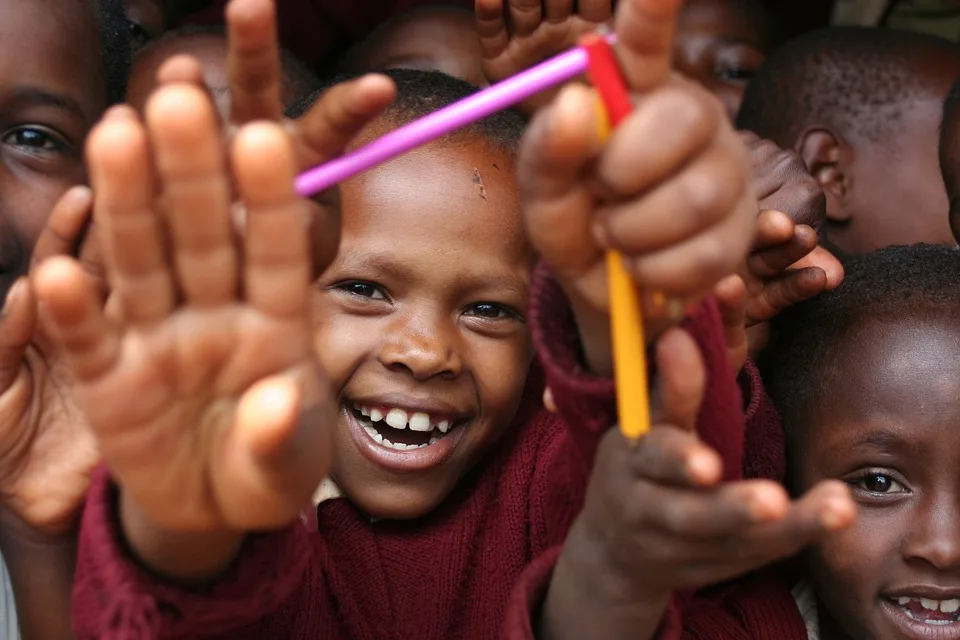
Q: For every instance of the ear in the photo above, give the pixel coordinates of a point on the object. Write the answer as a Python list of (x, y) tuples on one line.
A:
[(822, 152)]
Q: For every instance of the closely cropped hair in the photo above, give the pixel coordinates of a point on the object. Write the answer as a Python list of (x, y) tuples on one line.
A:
[(856, 79), (115, 46), (919, 281), (420, 93), (949, 129)]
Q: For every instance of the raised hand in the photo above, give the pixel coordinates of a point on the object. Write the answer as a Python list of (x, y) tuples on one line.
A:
[(205, 398), (656, 518), (517, 34), (46, 451), (672, 190)]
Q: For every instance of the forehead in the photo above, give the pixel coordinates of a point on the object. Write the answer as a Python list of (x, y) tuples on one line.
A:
[(905, 370), (209, 49), (448, 197), (732, 19), (53, 45)]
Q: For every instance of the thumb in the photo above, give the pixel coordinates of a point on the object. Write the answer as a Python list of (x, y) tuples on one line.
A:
[(645, 32), (561, 143), (681, 378), (17, 323)]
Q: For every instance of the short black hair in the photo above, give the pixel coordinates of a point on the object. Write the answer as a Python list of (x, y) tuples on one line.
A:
[(115, 47), (855, 79), (918, 281), (420, 93), (298, 79), (949, 131)]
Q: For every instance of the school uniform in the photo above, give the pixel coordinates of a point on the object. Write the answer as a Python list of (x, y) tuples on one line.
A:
[(451, 574)]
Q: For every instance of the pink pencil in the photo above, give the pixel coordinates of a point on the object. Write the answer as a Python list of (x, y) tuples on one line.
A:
[(460, 114)]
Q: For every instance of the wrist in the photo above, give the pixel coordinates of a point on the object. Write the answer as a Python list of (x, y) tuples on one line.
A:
[(193, 557)]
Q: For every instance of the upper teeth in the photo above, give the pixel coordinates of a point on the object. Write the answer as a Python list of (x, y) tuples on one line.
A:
[(945, 606), (400, 419)]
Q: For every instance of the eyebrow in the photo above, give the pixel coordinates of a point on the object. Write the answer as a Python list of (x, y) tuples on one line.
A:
[(882, 440), (32, 96)]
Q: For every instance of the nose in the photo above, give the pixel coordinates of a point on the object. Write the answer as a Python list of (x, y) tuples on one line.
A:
[(423, 345), (934, 536)]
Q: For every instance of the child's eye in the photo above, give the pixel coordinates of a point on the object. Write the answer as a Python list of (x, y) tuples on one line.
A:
[(362, 290), (492, 311), (735, 74), (137, 35), (879, 483), (34, 140)]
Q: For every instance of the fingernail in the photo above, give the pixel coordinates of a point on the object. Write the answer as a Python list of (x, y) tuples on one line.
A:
[(14, 293)]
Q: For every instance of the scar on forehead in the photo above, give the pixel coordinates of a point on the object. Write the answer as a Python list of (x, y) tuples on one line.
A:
[(477, 180)]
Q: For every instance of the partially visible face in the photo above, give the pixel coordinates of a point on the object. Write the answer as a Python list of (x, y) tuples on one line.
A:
[(209, 49), (52, 90), (721, 44), (441, 39), (950, 170), (896, 188), (421, 324), (147, 20), (888, 423)]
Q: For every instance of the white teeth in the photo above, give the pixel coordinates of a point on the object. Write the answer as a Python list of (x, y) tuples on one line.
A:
[(376, 415), (433, 439), (418, 422), (364, 411), (903, 601), (932, 605), (950, 606), (397, 418), (444, 426), (373, 433)]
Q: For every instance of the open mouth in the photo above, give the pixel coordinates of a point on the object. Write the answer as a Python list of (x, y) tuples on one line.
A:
[(933, 612), (402, 430)]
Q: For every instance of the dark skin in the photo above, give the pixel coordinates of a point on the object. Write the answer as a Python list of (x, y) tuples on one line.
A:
[(887, 425), (721, 44), (437, 39), (871, 201), (950, 171), (52, 90), (423, 326)]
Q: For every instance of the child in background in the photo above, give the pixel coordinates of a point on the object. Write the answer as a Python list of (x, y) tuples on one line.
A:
[(411, 335), (209, 46), (722, 43), (866, 381), (429, 38), (950, 156), (62, 62), (862, 108)]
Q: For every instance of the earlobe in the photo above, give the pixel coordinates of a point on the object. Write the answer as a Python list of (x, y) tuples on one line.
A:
[(822, 152)]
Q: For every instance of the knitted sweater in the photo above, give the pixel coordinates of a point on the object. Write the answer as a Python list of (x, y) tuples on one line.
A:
[(447, 575)]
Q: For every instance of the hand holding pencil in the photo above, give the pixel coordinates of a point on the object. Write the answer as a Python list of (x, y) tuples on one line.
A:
[(669, 190)]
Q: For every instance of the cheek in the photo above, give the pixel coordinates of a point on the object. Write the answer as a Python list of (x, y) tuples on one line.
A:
[(341, 342), (500, 371), (26, 200)]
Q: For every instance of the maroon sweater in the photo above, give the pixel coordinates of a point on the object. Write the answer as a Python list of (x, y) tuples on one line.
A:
[(447, 575)]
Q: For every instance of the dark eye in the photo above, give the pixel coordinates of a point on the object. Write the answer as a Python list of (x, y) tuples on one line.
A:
[(735, 74), (491, 311), (34, 140), (362, 290), (879, 483), (137, 34)]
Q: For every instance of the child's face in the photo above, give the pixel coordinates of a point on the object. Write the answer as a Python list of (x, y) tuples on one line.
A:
[(209, 49), (888, 422), (721, 44), (443, 39), (420, 320), (895, 187), (52, 90)]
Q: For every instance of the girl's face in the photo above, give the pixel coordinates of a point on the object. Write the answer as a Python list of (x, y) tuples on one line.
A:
[(721, 44), (888, 423), (421, 323)]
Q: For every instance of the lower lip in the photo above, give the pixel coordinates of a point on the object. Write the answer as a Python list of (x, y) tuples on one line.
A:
[(910, 628), (409, 461)]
